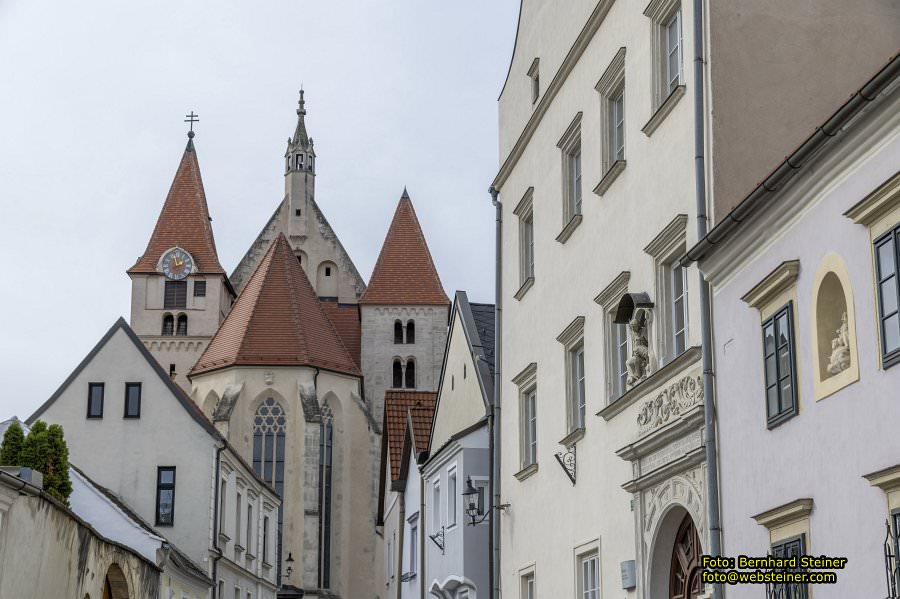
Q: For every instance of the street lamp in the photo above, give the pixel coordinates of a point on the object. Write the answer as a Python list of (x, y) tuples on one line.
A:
[(470, 495), (290, 566)]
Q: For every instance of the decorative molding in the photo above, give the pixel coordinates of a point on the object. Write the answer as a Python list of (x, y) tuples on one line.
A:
[(535, 65), (573, 332), (887, 479), (526, 285), (613, 74), (566, 460), (663, 111), (685, 359), (779, 280), (612, 173), (657, 9), (572, 438), (669, 238), (670, 403), (572, 134), (526, 471), (527, 376), (686, 489), (525, 204), (614, 290), (569, 228), (877, 204), (788, 513)]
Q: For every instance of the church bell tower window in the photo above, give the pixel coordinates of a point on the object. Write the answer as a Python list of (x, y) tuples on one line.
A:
[(181, 330), (168, 325)]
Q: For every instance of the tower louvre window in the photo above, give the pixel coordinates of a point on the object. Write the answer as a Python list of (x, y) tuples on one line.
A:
[(175, 295), (410, 374), (299, 162), (168, 325), (397, 381), (411, 331), (398, 332), (182, 326)]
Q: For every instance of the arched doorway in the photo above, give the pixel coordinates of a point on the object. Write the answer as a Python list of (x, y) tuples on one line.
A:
[(114, 584), (684, 576)]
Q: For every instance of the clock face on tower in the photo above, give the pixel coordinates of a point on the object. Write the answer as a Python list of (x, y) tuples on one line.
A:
[(177, 264)]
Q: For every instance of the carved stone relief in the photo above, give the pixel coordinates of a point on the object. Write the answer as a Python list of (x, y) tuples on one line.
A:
[(840, 348), (670, 402), (639, 362)]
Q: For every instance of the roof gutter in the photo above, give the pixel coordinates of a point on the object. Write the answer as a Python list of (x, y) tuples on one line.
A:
[(795, 161)]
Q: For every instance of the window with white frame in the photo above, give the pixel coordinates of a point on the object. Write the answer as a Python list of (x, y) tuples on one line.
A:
[(436, 495), (668, 48), (617, 125), (572, 339), (671, 288), (611, 87), (570, 145), (679, 306), (589, 576), (621, 349), (451, 497), (526, 381), (527, 588), (525, 211), (413, 545)]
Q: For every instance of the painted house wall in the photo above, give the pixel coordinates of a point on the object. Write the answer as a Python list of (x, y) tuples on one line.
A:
[(414, 514), (823, 452)]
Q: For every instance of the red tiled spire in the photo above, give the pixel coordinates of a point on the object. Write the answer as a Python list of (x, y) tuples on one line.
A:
[(277, 321), (183, 221), (405, 273)]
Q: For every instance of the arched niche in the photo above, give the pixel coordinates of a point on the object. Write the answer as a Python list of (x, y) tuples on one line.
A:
[(834, 348), (115, 585), (326, 279), (209, 404)]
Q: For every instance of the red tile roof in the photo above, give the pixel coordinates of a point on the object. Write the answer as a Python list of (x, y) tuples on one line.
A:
[(277, 321), (421, 419), (184, 222), (405, 273), (397, 404), (345, 318)]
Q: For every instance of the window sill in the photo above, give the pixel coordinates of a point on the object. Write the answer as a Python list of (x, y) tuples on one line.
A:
[(223, 538), (569, 228), (529, 282), (266, 566), (663, 111), (572, 438), (238, 548), (777, 421), (890, 360), (526, 471), (612, 173)]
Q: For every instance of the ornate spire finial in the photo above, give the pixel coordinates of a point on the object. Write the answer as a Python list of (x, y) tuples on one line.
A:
[(191, 118), (301, 109)]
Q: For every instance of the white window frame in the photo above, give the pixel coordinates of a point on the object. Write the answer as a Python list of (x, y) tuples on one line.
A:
[(527, 585), (436, 498), (611, 88), (666, 248), (526, 381), (525, 211), (452, 499), (608, 299), (572, 170), (587, 575), (674, 51), (666, 81), (572, 340), (678, 277), (413, 546)]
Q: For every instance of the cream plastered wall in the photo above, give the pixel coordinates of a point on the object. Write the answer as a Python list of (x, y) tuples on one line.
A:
[(123, 454), (355, 475), (656, 185), (460, 401)]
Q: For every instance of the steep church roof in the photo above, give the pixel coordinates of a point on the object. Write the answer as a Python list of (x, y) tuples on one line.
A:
[(277, 321), (405, 273), (184, 221)]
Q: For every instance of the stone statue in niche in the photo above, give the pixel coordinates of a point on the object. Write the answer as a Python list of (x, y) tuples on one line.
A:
[(840, 348), (638, 363)]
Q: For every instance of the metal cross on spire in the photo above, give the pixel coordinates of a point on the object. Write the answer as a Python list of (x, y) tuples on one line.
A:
[(191, 118)]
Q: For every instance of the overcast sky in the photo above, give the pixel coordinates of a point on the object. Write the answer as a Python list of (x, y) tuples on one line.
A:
[(92, 99)]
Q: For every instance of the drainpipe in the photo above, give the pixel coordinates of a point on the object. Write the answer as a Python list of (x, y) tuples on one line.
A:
[(399, 547), (421, 539), (709, 391), (216, 526), (494, 416)]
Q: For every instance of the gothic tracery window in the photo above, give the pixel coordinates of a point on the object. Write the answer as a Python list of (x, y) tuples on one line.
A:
[(269, 429), (326, 454)]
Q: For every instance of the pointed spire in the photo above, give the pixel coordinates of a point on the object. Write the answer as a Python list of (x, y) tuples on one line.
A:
[(277, 321), (404, 273), (300, 135), (183, 221), (405, 194)]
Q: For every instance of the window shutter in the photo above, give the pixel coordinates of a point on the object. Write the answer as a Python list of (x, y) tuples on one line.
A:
[(176, 294)]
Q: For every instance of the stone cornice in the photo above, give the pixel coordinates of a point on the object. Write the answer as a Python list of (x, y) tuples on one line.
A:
[(687, 421), (525, 203), (783, 277), (569, 228), (613, 290), (685, 462), (527, 375), (877, 204), (612, 74), (668, 239), (887, 479), (573, 131), (572, 332), (798, 509)]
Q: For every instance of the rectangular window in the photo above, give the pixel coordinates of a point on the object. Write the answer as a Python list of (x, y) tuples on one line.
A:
[(413, 543), (437, 505), (237, 520), (673, 52), (199, 288), (165, 496), (589, 576), (529, 428), (237, 593), (451, 498), (886, 261), (576, 361), (265, 540), (617, 125), (95, 400), (249, 539), (176, 295), (620, 359), (132, 400), (781, 383), (793, 547), (223, 489), (527, 241), (528, 589), (482, 497), (574, 180), (679, 309)]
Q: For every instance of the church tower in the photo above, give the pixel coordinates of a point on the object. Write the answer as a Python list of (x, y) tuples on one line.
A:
[(300, 219), (179, 291)]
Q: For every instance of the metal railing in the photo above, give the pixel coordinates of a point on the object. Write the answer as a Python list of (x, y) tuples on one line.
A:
[(891, 565)]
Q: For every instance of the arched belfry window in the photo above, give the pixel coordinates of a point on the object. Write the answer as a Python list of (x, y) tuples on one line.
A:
[(397, 381), (168, 325), (182, 325), (398, 331), (326, 459), (410, 374), (411, 331)]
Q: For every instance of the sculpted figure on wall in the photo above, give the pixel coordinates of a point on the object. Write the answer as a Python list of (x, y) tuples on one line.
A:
[(840, 348), (639, 361)]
